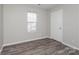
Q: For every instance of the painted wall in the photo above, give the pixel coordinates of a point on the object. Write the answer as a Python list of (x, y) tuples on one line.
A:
[(15, 25), (70, 24), (15, 29), (1, 28), (56, 30)]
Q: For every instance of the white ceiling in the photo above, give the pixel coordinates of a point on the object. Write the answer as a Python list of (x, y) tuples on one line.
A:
[(45, 6)]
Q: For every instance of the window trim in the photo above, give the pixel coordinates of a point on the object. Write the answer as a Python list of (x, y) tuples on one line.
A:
[(30, 30)]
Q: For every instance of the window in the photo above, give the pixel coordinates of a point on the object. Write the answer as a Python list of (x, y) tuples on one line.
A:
[(31, 21)]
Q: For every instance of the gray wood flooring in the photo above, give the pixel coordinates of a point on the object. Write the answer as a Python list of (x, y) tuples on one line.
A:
[(39, 47)]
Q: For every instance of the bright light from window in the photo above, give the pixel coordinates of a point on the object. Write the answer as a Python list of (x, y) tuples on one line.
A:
[(32, 20)]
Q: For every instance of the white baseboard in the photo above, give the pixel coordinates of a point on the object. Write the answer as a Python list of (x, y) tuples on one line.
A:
[(56, 40), (1, 50), (8, 44), (37, 39), (70, 46)]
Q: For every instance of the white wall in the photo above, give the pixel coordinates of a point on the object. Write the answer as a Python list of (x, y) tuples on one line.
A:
[(1, 28), (15, 29), (70, 24), (15, 26), (56, 30)]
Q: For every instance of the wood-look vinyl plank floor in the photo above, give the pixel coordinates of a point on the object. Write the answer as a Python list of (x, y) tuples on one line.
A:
[(39, 47)]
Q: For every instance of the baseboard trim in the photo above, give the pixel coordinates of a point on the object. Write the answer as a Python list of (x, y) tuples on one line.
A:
[(70, 46), (36, 39), (56, 40), (1, 49), (67, 44), (8, 44)]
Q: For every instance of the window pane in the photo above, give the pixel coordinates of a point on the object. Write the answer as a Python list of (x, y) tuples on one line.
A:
[(31, 17), (31, 27)]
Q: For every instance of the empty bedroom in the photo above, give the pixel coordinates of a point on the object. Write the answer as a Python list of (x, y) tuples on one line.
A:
[(39, 29)]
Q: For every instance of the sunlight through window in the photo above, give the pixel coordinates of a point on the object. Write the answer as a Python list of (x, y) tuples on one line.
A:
[(32, 20)]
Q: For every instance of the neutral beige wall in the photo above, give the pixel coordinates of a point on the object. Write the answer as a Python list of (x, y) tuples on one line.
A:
[(1, 28), (70, 24), (15, 25)]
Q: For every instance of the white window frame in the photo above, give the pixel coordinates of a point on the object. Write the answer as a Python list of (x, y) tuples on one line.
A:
[(31, 22)]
